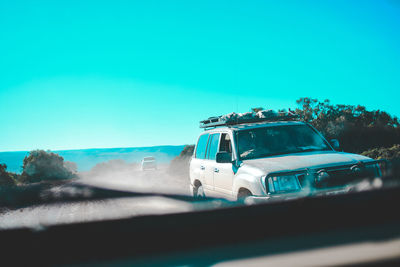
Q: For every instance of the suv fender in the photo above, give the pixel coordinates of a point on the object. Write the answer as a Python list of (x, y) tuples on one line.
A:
[(194, 176), (249, 182)]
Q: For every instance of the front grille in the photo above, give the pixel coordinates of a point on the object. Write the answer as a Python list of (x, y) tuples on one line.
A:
[(345, 175), (333, 177), (339, 178)]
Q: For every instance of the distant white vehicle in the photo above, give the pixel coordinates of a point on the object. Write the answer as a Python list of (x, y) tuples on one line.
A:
[(148, 163)]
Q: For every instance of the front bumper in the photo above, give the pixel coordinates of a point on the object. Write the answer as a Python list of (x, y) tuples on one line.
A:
[(363, 185)]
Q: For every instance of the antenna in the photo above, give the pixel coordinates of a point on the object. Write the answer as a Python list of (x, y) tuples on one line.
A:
[(237, 104)]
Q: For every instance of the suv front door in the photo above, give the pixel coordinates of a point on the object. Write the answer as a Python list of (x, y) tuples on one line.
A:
[(223, 172)]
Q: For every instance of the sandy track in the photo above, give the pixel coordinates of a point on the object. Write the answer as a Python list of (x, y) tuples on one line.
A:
[(157, 181)]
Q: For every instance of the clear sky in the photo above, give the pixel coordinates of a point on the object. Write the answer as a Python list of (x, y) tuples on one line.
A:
[(85, 74)]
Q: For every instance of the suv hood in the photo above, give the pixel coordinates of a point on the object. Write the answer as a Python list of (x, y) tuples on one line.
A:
[(316, 159)]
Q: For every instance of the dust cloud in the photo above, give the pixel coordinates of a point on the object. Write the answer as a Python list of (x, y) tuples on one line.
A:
[(120, 175)]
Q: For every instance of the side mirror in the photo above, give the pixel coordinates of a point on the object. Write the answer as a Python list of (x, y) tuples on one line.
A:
[(224, 157), (335, 144)]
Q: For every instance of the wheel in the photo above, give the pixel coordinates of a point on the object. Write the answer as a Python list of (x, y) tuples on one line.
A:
[(198, 192), (243, 195)]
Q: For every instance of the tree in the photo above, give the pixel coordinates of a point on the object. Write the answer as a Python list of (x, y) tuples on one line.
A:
[(71, 166), (6, 178), (40, 165), (356, 128), (383, 153), (255, 110), (180, 164)]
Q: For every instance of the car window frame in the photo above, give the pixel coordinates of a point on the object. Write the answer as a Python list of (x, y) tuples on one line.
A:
[(210, 139), (206, 146), (330, 148)]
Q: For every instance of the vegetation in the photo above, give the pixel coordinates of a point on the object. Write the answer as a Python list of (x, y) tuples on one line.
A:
[(384, 153), (180, 164), (392, 154), (356, 128), (40, 165), (6, 178)]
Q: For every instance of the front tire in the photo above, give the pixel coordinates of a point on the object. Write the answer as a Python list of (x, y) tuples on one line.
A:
[(243, 195), (198, 192)]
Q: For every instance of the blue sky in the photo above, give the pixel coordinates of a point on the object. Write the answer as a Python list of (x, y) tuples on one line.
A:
[(84, 74)]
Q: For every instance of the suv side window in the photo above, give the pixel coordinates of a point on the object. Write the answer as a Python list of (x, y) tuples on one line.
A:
[(225, 144), (201, 146), (212, 151)]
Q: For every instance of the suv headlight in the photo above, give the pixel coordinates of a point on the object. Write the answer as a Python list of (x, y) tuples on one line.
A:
[(283, 183)]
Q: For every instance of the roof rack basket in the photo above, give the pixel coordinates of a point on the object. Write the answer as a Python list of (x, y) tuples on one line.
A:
[(249, 117)]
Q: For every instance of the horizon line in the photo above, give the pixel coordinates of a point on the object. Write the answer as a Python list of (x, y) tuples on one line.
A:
[(10, 151)]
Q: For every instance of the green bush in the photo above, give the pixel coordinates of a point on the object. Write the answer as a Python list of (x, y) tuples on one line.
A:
[(180, 164), (6, 178), (40, 165), (383, 153), (356, 128)]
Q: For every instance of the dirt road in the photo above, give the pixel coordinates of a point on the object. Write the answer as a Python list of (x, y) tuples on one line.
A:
[(156, 181)]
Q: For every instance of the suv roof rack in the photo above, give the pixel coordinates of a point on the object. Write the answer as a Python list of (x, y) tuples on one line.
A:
[(248, 117)]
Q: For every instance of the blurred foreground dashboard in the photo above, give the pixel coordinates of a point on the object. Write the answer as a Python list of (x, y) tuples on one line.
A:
[(355, 229)]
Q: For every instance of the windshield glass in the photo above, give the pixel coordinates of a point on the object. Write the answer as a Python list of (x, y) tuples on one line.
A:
[(278, 140), (113, 110)]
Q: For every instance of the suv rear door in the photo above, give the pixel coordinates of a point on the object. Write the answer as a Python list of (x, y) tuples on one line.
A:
[(197, 169), (208, 163)]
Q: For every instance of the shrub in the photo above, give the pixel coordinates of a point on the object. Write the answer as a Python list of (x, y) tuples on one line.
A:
[(383, 153), (180, 164), (40, 165), (356, 128), (6, 178)]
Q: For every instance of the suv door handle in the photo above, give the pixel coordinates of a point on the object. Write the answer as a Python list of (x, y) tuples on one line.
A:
[(216, 170), (202, 168)]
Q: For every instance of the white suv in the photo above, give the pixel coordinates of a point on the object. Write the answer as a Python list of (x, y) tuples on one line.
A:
[(271, 159), (148, 163)]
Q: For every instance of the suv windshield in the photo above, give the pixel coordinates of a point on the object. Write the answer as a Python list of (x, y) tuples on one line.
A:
[(278, 140)]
